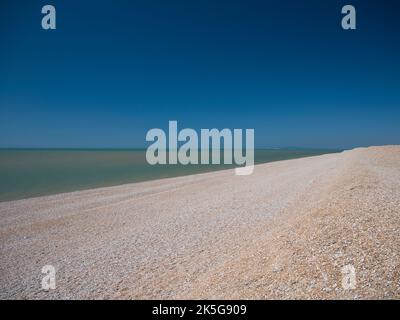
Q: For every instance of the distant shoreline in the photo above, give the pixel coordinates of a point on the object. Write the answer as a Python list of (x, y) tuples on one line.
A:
[(144, 149), (26, 173)]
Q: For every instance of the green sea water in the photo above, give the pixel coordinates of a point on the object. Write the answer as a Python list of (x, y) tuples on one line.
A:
[(28, 173)]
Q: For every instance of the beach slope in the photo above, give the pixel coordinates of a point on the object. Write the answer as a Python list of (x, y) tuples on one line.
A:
[(293, 229)]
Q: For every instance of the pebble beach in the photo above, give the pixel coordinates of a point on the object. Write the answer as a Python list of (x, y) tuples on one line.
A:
[(284, 232)]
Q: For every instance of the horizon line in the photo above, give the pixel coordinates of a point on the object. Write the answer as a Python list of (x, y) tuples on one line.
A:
[(145, 148)]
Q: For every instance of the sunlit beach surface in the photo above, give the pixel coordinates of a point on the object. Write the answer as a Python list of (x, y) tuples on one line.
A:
[(284, 232)]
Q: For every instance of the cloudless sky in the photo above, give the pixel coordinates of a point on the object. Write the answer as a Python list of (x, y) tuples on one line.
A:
[(112, 70)]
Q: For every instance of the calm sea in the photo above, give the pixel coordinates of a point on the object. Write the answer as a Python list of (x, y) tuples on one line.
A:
[(28, 173)]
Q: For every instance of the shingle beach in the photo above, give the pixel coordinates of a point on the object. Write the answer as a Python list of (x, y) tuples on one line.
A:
[(286, 231)]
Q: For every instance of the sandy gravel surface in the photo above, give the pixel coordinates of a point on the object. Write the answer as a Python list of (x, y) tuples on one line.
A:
[(284, 232)]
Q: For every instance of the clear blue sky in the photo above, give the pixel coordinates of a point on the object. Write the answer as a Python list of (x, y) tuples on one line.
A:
[(115, 69)]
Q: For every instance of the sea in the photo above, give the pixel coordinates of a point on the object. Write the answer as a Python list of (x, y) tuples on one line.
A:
[(26, 173)]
